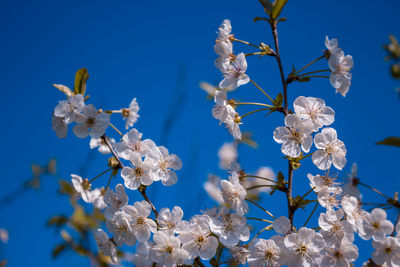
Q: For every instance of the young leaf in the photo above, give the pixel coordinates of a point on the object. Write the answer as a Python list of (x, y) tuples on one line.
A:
[(63, 89), (390, 141), (278, 6), (81, 77)]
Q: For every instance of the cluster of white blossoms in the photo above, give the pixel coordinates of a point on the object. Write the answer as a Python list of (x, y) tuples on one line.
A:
[(310, 115), (340, 66), (164, 238)]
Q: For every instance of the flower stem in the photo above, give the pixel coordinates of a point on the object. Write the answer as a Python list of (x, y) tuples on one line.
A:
[(316, 76), (254, 237), (259, 177), (309, 64), (266, 211), (312, 72), (254, 111), (244, 42), (309, 217), (374, 189), (258, 219), (97, 176), (253, 103), (115, 128), (259, 88)]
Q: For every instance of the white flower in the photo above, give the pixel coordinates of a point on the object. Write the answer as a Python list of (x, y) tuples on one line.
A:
[(142, 256), (131, 114), (223, 46), (314, 112), (294, 135), (264, 253), (115, 201), (197, 241), (376, 225), (69, 109), (234, 194), (166, 250), (331, 45), (355, 214), (340, 77), (140, 224), (222, 110), (140, 174), (281, 225), (340, 256), (164, 164), (227, 154), (350, 188), (224, 31), (235, 75), (387, 251), (230, 227), (105, 245), (91, 120), (171, 220), (334, 229), (239, 254), (4, 235), (99, 142), (82, 187), (324, 182), (120, 227), (132, 143), (212, 188), (328, 198), (59, 126), (233, 126), (305, 246), (331, 150), (98, 198)]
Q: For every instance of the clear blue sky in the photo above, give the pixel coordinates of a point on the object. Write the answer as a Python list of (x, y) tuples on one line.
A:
[(137, 49)]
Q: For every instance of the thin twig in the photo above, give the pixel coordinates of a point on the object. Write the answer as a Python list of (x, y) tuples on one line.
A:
[(266, 211), (309, 217)]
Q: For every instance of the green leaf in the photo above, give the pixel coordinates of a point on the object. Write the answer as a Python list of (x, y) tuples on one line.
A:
[(259, 18), (390, 141), (268, 6), (278, 100), (57, 220), (278, 6), (57, 250), (81, 77)]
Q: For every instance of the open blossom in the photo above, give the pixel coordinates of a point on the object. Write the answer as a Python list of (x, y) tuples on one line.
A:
[(167, 251), (239, 254), (140, 224), (387, 251), (140, 174), (131, 114), (340, 66), (115, 201), (324, 182), (340, 256), (229, 227), (264, 253), (334, 229), (234, 194), (132, 143), (354, 213), (350, 188), (59, 126), (227, 154), (120, 227), (105, 245), (212, 188), (101, 144), (376, 225), (164, 164), (69, 109), (223, 46), (281, 225), (331, 150), (142, 258), (82, 187), (171, 220), (197, 241), (91, 122), (235, 74), (304, 247), (294, 135), (314, 112)]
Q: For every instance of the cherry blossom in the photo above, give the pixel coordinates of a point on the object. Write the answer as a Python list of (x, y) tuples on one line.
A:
[(235, 74), (131, 114), (91, 122)]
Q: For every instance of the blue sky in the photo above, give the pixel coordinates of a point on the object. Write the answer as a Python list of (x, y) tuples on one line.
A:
[(137, 49)]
